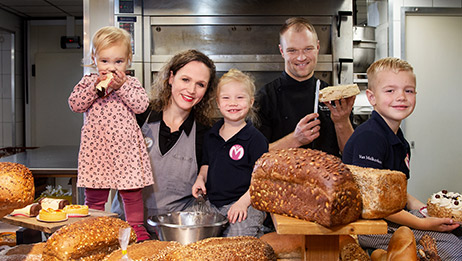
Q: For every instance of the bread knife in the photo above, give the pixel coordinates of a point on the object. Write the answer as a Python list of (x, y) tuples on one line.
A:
[(316, 96)]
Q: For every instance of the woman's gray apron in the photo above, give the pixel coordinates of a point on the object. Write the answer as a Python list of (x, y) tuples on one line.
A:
[(174, 172)]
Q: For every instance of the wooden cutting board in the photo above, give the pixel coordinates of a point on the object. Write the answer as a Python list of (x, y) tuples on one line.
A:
[(50, 227), (290, 225)]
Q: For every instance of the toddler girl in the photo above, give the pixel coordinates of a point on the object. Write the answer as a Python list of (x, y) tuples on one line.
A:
[(112, 153), (230, 150)]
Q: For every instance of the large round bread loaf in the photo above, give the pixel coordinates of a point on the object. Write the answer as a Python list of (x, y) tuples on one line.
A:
[(306, 184), (16, 187), (146, 251), (224, 248), (88, 239)]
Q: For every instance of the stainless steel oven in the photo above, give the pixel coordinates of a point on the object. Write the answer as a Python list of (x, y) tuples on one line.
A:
[(238, 34)]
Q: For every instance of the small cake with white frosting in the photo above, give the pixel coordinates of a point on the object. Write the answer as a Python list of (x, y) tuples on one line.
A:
[(445, 204)]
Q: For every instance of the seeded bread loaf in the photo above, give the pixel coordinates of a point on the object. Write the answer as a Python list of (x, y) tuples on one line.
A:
[(305, 184), (224, 248), (16, 187), (383, 191), (88, 239), (147, 250)]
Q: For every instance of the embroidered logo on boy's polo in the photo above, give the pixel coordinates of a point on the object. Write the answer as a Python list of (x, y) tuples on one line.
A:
[(236, 152)]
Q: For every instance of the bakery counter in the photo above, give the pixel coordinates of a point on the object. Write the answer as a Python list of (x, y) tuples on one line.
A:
[(51, 161), (50, 227), (322, 243)]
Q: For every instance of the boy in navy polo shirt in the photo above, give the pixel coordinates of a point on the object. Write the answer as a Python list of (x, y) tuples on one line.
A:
[(379, 143), (230, 150)]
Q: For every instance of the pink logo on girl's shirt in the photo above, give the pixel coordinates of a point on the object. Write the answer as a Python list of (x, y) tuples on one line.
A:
[(236, 152)]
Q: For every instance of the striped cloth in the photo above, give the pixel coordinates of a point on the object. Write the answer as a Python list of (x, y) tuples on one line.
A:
[(448, 244)]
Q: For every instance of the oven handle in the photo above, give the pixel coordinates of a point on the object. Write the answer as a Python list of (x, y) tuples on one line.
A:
[(339, 19)]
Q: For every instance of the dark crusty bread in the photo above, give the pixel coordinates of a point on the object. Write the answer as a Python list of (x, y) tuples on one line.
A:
[(145, 251), (383, 191), (88, 239), (224, 248), (305, 184), (26, 252), (16, 187)]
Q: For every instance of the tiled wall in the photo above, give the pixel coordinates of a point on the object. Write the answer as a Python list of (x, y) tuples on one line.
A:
[(13, 26)]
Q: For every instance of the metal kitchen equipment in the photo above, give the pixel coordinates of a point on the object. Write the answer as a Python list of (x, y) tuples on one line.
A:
[(242, 34), (364, 45), (187, 227)]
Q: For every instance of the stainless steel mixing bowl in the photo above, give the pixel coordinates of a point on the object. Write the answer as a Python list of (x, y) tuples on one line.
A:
[(187, 227)]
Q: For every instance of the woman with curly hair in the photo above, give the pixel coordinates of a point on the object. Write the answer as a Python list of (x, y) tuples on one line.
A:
[(181, 111)]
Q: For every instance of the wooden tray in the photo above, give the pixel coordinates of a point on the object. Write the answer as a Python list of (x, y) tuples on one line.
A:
[(33, 223)]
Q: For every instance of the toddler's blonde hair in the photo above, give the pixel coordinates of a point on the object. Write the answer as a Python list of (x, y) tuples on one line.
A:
[(108, 36)]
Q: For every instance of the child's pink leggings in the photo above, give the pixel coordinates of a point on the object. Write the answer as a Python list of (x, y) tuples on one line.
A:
[(133, 203)]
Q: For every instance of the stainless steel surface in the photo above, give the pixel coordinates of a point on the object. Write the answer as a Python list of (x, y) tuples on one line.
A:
[(187, 227), (255, 7), (364, 46), (244, 35), (50, 161), (363, 33)]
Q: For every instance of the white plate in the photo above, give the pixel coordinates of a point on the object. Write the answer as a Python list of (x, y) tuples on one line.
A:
[(423, 211), (55, 221), (72, 215)]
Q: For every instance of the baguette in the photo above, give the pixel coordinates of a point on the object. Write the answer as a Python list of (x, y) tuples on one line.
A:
[(333, 93), (402, 245)]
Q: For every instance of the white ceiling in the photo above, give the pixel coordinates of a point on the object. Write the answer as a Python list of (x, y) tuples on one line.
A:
[(43, 9)]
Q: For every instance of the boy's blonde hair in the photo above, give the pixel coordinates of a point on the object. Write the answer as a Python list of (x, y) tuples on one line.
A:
[(390, 63), (235, 75), (108, 36)]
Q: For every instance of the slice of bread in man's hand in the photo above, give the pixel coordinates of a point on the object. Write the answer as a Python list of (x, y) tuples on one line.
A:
[(333, 93)]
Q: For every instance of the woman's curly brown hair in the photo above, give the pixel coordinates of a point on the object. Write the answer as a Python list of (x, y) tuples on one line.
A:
[(161, 90)]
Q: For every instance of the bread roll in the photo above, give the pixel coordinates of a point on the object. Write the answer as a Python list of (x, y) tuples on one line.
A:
[(17, 188), (379, 255), (224, 248), (88, 239), (306, 184), (286, 246), (333, 93), (402, 245), (383, 192), (147, 250)]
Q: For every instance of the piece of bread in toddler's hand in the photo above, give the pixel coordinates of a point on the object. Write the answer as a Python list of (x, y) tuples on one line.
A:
[(102, 85), (333, 93)]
